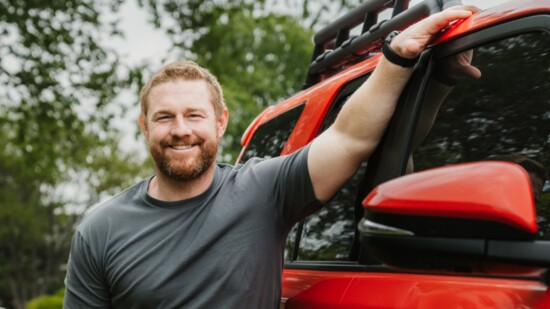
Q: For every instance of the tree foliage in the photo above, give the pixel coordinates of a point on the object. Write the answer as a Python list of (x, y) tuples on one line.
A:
[(59, 150)]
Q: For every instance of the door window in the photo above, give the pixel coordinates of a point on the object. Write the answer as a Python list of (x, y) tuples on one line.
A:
[(270, 138), (503, 115)]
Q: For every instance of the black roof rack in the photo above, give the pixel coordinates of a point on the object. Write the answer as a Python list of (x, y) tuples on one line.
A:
[(334, 47)]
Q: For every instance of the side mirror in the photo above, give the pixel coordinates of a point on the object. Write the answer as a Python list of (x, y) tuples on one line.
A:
[(473, 217)]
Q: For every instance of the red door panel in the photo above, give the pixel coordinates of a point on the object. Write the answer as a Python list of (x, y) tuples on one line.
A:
[(332, 289)]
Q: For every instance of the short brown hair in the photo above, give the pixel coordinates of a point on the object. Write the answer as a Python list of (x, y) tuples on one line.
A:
[(184, 70)]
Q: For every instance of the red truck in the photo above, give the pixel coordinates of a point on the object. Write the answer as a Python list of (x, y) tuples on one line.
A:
[(432, 220)]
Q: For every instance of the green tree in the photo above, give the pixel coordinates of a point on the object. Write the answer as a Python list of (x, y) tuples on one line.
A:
[(60, 151)]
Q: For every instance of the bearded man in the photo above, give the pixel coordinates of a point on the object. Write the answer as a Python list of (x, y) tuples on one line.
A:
[(203, 235)]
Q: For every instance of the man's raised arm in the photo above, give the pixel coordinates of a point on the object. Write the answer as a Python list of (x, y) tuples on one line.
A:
[(337, 153)]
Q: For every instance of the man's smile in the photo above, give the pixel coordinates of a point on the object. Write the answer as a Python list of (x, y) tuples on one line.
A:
[(182, 147)]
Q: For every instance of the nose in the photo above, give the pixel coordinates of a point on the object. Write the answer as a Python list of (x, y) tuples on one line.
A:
[(180, 127)]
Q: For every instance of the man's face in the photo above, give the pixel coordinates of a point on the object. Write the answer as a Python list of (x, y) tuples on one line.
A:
[(182, 129)]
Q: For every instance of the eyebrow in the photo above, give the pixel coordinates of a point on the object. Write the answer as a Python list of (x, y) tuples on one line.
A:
[(202, 110), (161, 112)]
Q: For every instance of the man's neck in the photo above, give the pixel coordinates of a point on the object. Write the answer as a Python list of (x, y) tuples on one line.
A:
[(167, 189)]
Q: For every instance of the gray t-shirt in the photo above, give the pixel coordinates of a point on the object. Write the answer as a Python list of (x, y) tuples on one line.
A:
[(221, 249)]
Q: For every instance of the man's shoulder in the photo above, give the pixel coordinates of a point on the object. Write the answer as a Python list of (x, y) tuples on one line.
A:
[(297, 157), (228, 172), (126, 196), (111, 209), (299, 154), (262, 171)]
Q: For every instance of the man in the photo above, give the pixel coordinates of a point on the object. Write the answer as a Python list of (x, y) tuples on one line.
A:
[(202, 235)]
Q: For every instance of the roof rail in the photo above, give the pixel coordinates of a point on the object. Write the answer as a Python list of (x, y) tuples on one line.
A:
[(334, 47)]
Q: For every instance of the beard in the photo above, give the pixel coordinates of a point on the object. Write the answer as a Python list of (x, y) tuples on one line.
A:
[(176, 168)]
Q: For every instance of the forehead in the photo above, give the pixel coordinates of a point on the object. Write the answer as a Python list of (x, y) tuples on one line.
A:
[(180, 94)]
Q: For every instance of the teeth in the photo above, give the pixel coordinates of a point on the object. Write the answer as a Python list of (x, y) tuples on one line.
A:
[(182, 147)]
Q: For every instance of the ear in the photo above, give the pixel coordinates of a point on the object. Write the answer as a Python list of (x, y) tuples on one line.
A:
[(143, 126), (222, 122)]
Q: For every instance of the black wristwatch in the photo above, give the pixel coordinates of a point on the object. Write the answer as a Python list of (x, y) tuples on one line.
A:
[(392, 56)]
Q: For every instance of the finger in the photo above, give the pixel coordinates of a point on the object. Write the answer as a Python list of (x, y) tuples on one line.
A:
[(413, 40), (473, 72), (436, 22), (470, 8), (426, 28)]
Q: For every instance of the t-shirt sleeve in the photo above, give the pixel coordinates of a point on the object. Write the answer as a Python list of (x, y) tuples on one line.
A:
[(85, 286), (287, 179)]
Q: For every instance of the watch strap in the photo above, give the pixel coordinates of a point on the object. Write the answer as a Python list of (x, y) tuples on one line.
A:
[(394, 58)]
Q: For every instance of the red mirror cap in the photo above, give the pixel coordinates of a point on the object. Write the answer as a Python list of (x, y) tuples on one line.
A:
[(488, 190)]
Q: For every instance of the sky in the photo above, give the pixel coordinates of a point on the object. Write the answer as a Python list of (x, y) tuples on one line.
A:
[(142, 42)]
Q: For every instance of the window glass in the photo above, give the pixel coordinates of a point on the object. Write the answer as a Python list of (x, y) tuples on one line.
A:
[(270, 138), (504, 114), (290, 243), (328, 234)]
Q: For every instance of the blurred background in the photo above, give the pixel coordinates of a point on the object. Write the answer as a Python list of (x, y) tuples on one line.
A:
[(70, 73)]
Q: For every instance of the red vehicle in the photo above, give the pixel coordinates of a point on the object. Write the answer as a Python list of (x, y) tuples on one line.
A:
[(430, 221)]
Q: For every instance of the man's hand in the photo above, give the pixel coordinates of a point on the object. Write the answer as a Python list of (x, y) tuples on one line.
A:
[(453, 69), (412, 41)]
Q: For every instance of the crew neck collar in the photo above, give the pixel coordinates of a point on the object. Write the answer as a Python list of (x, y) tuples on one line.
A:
[(188, 203)]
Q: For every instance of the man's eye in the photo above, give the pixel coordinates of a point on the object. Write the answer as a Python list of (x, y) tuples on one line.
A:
[(163, 118)]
